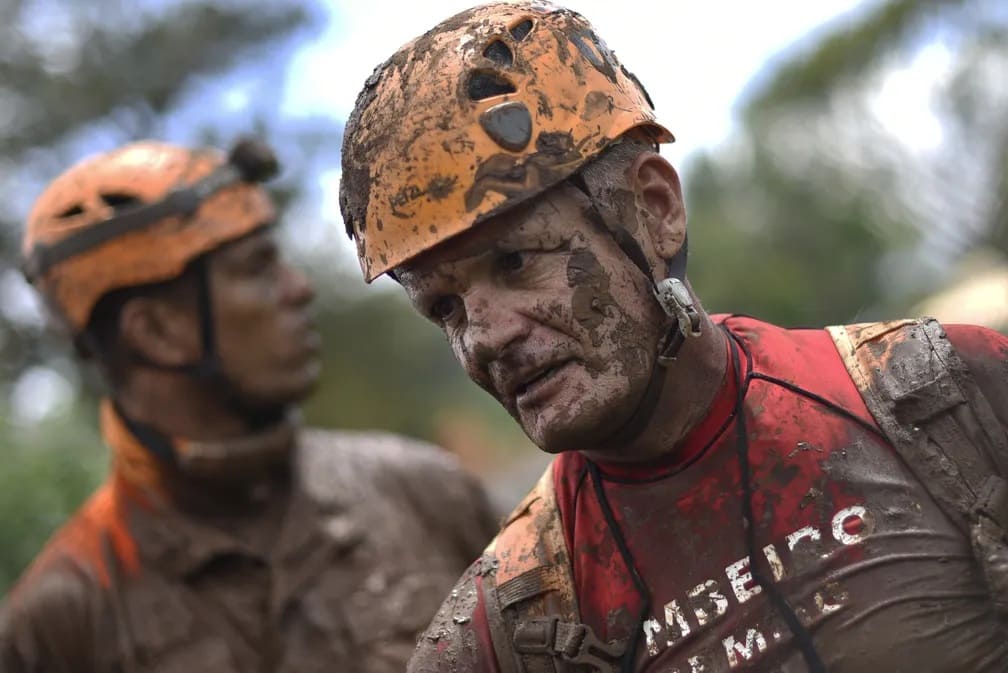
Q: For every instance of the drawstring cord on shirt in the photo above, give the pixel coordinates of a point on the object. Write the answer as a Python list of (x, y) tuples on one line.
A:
[(630, 655), (798, 630)]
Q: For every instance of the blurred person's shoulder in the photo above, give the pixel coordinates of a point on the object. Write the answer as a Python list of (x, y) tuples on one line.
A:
[(375, 459), (51, 606), (402, 477), (92, 545)]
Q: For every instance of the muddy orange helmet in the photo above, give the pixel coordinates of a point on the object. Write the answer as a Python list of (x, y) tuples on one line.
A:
[(139, 215), (488, 109)]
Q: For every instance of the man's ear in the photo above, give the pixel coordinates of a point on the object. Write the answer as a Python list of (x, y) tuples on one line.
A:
[(660, 207), (160, 331)]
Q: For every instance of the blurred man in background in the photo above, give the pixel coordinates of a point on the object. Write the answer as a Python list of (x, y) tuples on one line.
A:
[(726, 493), (226, 537)]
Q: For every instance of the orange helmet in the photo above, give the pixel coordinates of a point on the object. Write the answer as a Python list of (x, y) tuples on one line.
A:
[(139, 215), (488, 109)]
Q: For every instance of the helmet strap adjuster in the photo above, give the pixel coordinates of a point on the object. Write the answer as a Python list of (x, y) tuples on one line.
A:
[(677, 302)]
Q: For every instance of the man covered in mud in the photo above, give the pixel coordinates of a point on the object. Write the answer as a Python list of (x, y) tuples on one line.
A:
[(226, 537), (726, 494)]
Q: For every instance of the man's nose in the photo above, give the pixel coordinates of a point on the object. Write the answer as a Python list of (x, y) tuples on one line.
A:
[(494, 325), (298, 288)]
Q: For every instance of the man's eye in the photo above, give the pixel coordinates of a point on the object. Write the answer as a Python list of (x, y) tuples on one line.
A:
[(442, 308), (512, 261), (261, 261)]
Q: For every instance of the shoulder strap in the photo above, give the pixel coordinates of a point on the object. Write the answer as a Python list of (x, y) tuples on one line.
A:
[(924, 399), (528, 590)]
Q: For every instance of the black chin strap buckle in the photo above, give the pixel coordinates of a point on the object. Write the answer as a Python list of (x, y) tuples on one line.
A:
[(677, 303)]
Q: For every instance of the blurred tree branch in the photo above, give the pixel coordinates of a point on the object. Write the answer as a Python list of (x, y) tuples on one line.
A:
[(846, 53), (853, 222), (132, 74)]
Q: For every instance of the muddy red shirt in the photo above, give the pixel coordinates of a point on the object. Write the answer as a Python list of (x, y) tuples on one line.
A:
[(883, 580)]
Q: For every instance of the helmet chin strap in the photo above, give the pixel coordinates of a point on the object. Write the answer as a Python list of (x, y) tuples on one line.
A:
[(208, 366), (675, 300), (209, 369), (259, 448)]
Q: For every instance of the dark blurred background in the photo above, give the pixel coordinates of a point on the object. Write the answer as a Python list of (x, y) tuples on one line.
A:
[(862, 173)]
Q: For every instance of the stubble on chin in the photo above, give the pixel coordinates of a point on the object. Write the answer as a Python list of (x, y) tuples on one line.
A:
[(594, 411)]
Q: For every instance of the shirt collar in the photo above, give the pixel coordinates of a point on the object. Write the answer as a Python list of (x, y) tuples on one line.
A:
[(179, 542)]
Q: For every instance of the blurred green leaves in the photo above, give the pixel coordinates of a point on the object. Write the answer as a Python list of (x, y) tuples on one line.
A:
[(48, 470), (817, 211)]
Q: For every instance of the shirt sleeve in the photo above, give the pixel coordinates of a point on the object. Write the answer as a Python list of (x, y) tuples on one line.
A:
[(985, 353), (45, 626), (452, 502), (458, 639), (480, 523)]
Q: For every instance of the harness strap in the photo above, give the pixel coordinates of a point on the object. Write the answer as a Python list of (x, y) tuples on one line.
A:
[(528, 592), (922, 396), (924, 399)]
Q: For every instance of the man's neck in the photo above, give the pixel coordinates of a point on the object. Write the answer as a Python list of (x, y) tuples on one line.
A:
[(229, 478), (219, 452), (691, 384)]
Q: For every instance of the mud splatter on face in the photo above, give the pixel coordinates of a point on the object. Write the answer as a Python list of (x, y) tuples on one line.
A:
[(591, 292), (542, 292)]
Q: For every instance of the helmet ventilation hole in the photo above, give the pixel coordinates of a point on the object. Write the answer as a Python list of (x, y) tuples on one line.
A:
[(72, 211), (118, 200), (484, 85), (520, 30), (499, 53)]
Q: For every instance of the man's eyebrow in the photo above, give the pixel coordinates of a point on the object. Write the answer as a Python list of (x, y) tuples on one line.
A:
[(523, 210), (256, 247)]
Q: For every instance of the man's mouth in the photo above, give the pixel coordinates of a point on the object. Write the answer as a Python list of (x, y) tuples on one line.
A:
[(539, 378)]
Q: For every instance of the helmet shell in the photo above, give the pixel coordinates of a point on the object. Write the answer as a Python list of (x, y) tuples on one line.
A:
[(486, 110), (142, 172)]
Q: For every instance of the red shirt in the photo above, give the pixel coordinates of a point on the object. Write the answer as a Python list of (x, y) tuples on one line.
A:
[(881, 578)]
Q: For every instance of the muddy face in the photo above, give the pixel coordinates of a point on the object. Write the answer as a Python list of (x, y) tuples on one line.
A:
[(266, 339), (545, 312)]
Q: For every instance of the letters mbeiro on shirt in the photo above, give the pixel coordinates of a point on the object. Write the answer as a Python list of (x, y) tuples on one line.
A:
[(708, 602)]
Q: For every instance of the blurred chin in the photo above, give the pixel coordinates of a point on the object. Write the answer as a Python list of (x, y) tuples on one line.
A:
[(281, 390), (301, 384)]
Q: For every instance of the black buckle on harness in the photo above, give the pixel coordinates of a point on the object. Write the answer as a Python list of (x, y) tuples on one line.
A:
[(571, 643)]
